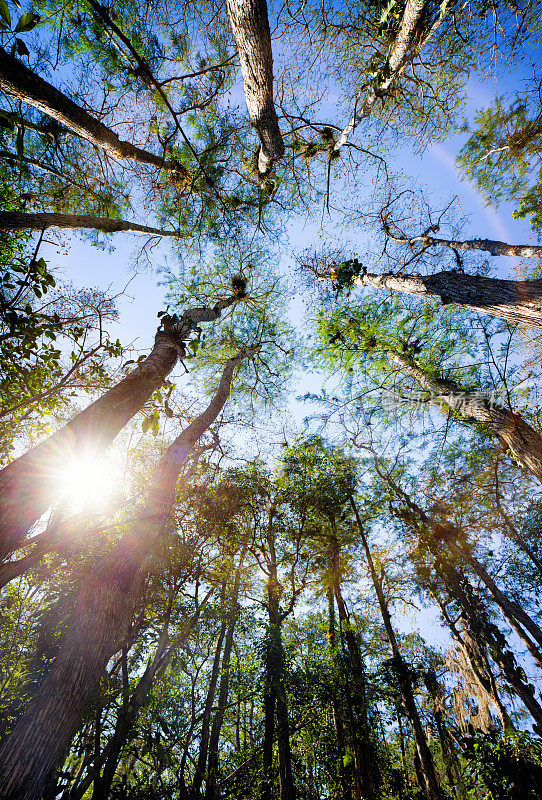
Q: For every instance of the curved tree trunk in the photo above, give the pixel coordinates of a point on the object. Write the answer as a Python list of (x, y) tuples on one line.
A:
[(30, 484), (509, 428), (250, 26), (99, 623), (515, 301), (427, 776), (23, 84), (19, 221)]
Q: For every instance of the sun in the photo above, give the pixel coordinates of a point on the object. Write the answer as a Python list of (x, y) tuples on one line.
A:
[(87, 480)]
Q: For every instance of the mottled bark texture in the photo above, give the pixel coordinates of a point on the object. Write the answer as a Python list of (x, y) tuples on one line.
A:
[(396, 61), (502, 423), (491, 246), (31, 483), (427, 776), (250, 26), (99, 623), (515, 301), (18, 221), (23, 84)]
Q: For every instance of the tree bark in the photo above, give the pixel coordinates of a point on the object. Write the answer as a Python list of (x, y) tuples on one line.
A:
[(481, 629), (99, 624), (223, 692), (250, 26), (514, 301), (20, 82), (491, 246), (338, 721), (201, 763), (429, 783), (366, 776), (19, 221), (396, 61), (502, 423), (274, 693), (30, 484)]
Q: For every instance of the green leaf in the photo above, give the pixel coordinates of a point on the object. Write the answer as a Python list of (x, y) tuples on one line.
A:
[(6, 122), (22, 49), (5, 15), (27, 22)]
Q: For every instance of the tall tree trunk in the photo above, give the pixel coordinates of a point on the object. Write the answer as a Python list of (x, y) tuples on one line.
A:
[(365, 759), (99, 624), (19, 221), (223, 692), (30, 484), (201, 763), (477, 657), (502, 423), (515, 301), (20, 82), (338, 721), (427, 775), (250, 26), (269, 699), (397, 60), (275, 672), (446, 538), (491, 246), (286, 778)]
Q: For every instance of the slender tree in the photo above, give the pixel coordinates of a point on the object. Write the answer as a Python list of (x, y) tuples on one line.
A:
[(429, 783), (211, 785), (19, 221)]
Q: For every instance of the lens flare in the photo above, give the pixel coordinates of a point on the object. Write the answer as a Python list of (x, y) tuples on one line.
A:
[(86, 481)]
